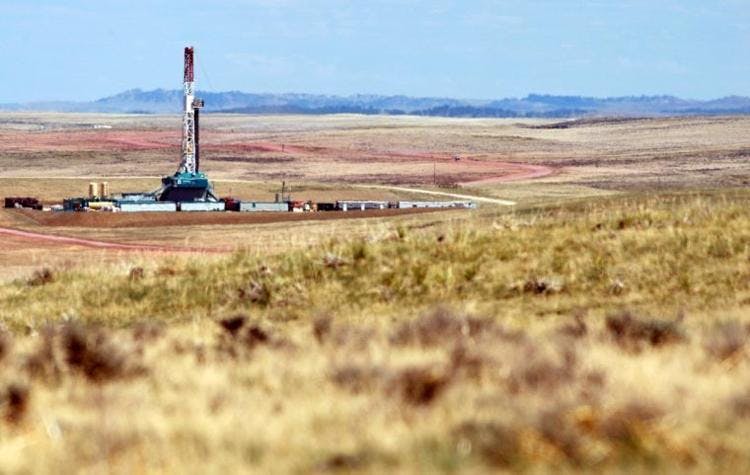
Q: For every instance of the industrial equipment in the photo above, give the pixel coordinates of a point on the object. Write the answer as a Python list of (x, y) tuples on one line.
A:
[(147, 206), (75, 204), (201, 206), (359, 205), (99, 191), (250, 206), (189, 190), (23, 202), (188, 183)]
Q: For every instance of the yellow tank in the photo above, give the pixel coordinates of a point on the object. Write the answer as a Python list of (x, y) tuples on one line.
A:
[(93, 190), (97, 205), (104, 189)]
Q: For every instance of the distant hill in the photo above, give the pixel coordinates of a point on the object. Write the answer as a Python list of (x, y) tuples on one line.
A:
[(162, 101)]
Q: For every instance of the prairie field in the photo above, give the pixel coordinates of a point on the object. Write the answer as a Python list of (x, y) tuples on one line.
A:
[(600, 324)]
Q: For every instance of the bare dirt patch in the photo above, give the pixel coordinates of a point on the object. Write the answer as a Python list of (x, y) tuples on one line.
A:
[(151, 220)]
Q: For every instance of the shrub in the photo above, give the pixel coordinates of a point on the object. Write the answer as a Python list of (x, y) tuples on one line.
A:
[(726, 340), (42, 277), (631, 331), (16, 402), (497, 444)]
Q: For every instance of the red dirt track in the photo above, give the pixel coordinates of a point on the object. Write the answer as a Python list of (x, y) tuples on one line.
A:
[(90, 140), (499, 172), (467, 171), (513, 172), (91, 243)]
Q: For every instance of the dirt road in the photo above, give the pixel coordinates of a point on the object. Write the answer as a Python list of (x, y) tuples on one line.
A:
[(518, 172), (481, 199), (507, 172)]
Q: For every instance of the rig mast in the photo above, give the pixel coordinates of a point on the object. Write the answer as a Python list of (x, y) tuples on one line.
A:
[(190, 132), (188, 183)]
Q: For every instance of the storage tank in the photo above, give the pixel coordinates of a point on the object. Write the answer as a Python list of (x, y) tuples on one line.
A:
[(104, 189), (93, 190), (101, 205)]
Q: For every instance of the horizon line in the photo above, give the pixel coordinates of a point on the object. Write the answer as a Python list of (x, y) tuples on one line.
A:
[(344, 95)]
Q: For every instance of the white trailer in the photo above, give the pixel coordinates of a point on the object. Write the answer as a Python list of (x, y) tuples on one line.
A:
[(250, 206), (359, 205), (202, 206), (148, 206)]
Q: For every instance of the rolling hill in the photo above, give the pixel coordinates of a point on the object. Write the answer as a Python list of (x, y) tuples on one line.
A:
[(163, 101)]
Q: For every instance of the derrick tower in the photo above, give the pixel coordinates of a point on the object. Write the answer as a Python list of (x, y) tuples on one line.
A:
[(188, 183)]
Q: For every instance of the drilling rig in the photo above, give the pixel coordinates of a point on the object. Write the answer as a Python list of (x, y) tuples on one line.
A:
[(188, 183)]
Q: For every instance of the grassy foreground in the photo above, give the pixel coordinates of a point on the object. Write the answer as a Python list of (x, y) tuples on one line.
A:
[(604, 335)]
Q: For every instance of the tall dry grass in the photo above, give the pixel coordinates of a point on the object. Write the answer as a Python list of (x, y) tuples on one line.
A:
[(601, 336)]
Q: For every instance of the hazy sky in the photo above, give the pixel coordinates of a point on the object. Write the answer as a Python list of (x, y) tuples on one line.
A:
[(81, 49)]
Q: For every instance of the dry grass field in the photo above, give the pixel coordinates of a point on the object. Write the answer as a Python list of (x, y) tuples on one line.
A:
[(600, 325), (607, 336)]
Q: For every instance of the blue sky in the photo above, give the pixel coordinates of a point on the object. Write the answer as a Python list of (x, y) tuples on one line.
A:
[(82, 49)]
